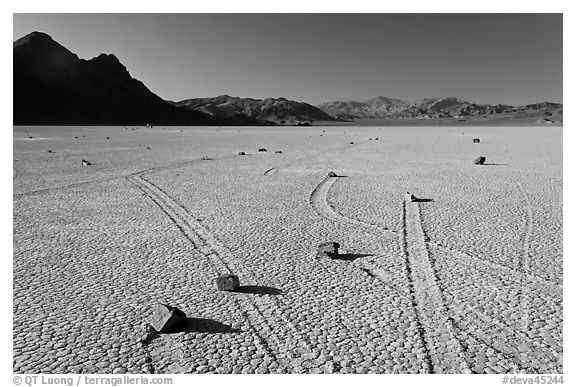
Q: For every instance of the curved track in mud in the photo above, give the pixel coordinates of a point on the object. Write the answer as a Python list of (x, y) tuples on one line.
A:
[(445, 353), (223, 261), (319, 202)]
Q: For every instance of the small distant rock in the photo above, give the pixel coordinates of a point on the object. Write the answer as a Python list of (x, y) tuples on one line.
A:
[(410, 198), (262, 150), (49, 151), (370, 138), (86, 162), (76, 137), (242, 153), (329, 249), (475, 140), (351, 142), (332, 174), (166, 318), (480, 160), (205, 158), (228, 282), (278, 151), (107, 138), (148, 148)]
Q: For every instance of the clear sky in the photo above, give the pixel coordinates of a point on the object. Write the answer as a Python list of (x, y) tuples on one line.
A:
[(487, 58)]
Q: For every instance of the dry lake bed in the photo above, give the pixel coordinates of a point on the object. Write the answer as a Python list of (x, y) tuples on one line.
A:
[(466, 279)]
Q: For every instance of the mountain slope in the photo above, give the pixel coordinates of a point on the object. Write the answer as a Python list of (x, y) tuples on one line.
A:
[(377, 107), (273, 110), (52, 86)]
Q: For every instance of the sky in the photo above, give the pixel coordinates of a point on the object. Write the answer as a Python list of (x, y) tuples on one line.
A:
[(485, 58)]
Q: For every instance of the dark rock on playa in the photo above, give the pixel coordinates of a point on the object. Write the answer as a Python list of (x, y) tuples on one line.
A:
[(480, 160), (476, 140), (332, 174), (228, 282), (242, 153), (166, 318), (262, 150), (278, 151), (86, 162), (329, 249)]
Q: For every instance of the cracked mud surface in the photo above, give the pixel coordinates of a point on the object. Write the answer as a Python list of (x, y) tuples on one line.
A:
[(470, 281)]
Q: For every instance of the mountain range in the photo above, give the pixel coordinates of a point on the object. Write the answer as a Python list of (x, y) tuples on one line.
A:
[(52, 86), (431, 109), (269, 110)]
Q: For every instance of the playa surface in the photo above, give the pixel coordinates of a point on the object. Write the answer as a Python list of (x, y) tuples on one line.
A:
[(466, 279)]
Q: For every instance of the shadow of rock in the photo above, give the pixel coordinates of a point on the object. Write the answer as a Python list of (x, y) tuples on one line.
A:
[(350, 257), (493, 164), (423, 200), (261, 290), (203, 325)]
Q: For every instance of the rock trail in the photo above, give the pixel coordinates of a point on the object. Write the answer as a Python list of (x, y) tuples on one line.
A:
[(266, 324), (445, 354), (445, 350), (524, 260), (318, 201), (546, 287)]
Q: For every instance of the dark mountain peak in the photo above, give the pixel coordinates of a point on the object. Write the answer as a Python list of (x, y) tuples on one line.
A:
[(110, 65), (40, 46), (53, 86), (35, 38), (106, 58)]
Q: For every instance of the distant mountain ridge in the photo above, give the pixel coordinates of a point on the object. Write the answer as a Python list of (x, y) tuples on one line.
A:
[(225, 108), (52, 86), (427, 108)]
